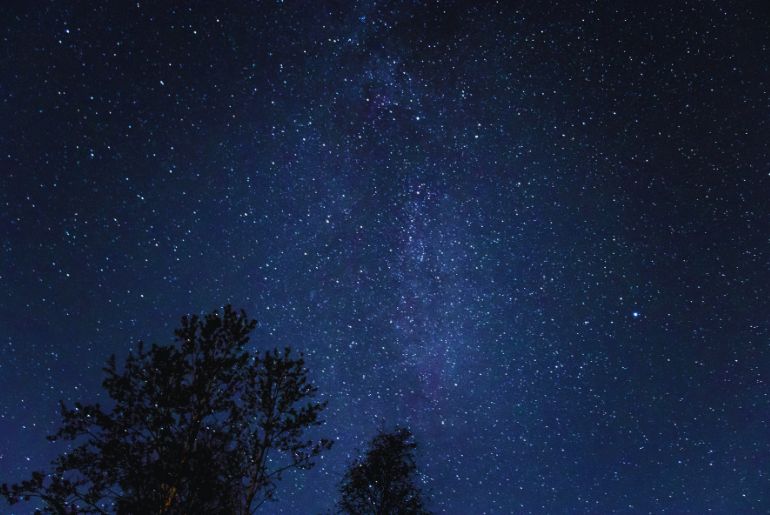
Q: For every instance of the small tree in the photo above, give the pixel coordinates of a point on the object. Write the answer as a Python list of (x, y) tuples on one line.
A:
[(198, 426), (383, 482)]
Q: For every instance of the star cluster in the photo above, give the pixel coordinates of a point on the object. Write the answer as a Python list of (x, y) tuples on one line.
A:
[(537, 233)]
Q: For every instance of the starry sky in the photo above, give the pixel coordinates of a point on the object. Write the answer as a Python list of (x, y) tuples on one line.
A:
[(534, 232)]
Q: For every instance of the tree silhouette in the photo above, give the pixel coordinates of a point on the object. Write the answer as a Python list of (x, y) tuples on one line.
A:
[(198, 426), (383, 482)]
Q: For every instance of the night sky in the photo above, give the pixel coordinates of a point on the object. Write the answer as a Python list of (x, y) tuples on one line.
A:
[(534, 232)]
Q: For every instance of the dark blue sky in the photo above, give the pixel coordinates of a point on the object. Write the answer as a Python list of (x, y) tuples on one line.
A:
[(537, 234)]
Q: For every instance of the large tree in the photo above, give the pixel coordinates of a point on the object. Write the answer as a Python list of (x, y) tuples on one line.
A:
[(203, 425), (383, 481)]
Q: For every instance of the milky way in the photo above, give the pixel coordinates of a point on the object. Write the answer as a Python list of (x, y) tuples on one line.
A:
[(536, 234)]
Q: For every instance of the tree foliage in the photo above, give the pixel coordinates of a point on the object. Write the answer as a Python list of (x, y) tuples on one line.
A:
[(198, 426), (383, 481)]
